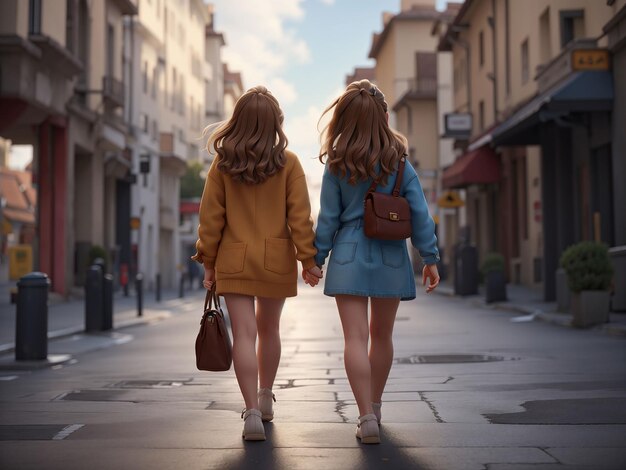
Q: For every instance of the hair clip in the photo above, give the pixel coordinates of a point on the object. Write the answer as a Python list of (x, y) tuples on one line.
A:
[(373, 91)]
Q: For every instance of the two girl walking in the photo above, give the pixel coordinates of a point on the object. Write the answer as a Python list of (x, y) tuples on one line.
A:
[(255, 208)]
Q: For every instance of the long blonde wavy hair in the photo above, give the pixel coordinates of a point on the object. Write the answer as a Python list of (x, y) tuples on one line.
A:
[(251, 144), (358, 137)]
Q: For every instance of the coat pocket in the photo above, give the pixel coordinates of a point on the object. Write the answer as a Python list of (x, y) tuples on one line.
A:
[(343, 252), (392, 255), (230, 258), (280, 256)]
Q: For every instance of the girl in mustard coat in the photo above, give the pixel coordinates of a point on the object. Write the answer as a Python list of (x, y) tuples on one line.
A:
[(255, 222)]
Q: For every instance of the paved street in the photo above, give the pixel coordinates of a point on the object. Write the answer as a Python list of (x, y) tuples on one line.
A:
[(535, 396)]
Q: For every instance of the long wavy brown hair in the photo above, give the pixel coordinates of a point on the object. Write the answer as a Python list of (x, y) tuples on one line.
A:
[(358, 137), (251, 144)]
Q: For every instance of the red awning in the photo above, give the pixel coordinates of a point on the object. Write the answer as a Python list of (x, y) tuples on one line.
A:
[(480, 166)]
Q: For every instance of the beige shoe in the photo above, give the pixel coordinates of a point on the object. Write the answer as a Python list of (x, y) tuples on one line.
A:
[(266, 403), (367, 429), (252, 426), (376, 407)]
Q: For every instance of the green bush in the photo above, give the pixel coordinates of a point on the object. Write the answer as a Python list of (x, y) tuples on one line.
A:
[(97, 251), (587, 266), (492, 262)]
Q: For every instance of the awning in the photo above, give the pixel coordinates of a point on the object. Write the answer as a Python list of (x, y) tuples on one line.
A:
[(480, 166), (580, 92)]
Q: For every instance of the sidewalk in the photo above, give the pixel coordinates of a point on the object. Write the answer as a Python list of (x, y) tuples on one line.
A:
[(529, 302), (68, 317)]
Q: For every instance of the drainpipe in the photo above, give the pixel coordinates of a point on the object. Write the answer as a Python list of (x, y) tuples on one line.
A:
[(494, 76)]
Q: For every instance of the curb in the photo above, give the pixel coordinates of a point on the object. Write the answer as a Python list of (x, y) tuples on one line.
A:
[(554, 318)]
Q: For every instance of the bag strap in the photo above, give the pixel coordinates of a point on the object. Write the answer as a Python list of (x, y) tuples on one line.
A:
[(396, 187), (212, 299)]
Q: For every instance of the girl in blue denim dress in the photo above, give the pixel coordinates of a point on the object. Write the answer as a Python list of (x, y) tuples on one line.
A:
[(359, 146)]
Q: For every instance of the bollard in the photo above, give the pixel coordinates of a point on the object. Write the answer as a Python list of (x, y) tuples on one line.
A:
[(31, 325), (158, 287), (181, 286), (107, 304), (139, 288), (94, 299)]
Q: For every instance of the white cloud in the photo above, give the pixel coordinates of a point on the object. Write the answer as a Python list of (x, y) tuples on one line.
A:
[(328, 2), (258, 43)]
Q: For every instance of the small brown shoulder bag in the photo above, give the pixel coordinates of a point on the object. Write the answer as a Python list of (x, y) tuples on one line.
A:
[(213, 347), (387, 216)]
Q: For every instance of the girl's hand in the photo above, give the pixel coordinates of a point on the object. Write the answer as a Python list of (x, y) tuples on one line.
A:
[(209, 278), (430, 272), (312, 276)]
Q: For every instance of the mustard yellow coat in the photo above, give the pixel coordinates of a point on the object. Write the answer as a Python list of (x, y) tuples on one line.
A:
[(252, 234)]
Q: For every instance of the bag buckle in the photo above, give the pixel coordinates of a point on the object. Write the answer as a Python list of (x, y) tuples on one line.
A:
[(393, 216)]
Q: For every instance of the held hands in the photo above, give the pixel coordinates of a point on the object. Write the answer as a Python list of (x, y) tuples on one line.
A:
[(209, 278), (430, 272), (312, 275)]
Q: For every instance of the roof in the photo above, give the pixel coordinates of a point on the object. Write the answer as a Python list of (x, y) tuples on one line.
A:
[(416, 13), (20, 198), (445, 43), (233, 77), (361, 73)]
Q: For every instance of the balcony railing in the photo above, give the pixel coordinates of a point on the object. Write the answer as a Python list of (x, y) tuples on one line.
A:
[(113, 91)]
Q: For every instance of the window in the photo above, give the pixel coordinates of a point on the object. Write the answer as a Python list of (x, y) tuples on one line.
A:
[(155, 130), (110, 64), (34, 17), (155, 79), (525, 62), (481, 48), (481, 115), (145, 77), (572, 26), (544, 37), (143, 122)]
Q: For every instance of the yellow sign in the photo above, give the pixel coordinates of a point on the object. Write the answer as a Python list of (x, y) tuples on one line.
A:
[(135, 223), (590, 59), (20, 261), (7, 228), (450, 200)]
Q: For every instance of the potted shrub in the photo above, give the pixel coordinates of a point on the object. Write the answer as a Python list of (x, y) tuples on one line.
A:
[(589, 273), (492, 270)]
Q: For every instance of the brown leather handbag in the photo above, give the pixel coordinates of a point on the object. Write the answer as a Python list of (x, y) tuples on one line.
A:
[(213, 347), (387, 216)]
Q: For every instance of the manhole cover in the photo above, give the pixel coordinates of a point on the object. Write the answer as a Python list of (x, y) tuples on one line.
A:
[(447, 359), (149, 383), (36, 432)]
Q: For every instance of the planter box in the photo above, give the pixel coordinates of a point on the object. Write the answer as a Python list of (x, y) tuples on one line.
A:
[(495, 286), (590, 307)]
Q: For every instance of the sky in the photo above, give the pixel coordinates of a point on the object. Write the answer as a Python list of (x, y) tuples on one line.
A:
[(302, 51)]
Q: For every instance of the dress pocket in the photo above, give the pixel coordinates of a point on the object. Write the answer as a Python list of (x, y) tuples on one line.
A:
[(280, 256), (343, 252), (230, 258), (392, 255)]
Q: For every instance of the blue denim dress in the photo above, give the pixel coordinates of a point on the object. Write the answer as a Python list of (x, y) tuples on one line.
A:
[(359, 265)]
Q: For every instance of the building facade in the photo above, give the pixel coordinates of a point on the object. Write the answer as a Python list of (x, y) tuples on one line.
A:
[(539, 155)]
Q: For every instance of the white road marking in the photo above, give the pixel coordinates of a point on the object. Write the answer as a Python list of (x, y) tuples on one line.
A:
[(6, 378), (66, 431)]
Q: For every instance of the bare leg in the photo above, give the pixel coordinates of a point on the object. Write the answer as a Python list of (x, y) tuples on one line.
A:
[(241, 310), (381, 348), (268, 351), (353, 314)]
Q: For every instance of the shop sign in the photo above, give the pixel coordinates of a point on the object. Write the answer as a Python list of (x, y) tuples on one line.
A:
[(590, 59), (458, 125), (450, 200)]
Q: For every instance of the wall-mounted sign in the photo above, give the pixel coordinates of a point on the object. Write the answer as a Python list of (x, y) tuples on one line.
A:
[(135, 223), (450, 200), (458, 125), (590, 59)]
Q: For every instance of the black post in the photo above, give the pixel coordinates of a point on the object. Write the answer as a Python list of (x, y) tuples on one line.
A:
[(107, 291), (139, 288), (94, 299), (158, 287), (181, 286), (31, 325)]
